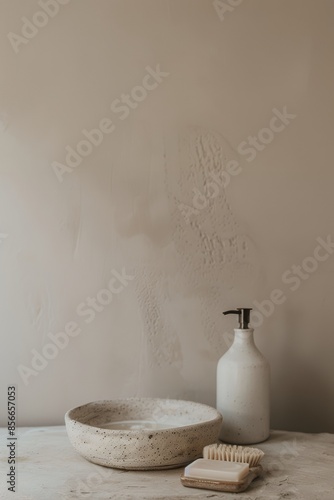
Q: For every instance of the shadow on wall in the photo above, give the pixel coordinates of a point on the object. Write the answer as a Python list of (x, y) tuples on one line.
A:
[(302, 395)]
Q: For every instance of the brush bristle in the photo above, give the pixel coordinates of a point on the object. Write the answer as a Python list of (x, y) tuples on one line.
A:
[(233, 453)]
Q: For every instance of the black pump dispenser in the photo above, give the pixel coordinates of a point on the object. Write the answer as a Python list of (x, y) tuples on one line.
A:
[(244, 316)]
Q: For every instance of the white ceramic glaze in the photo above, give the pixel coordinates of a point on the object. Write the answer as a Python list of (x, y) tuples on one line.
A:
[(243, 391), (142, 433)]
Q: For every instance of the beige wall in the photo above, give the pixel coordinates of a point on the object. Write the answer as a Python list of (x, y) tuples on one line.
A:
[(253, 212)]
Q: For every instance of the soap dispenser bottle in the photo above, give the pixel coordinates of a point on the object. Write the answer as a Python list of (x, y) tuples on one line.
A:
[(243, 387)]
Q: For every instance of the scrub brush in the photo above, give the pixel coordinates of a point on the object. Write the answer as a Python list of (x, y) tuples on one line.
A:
[(224, 468), (233, 453)]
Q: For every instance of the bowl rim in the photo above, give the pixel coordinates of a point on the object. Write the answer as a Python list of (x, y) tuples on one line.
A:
[(216, 418)]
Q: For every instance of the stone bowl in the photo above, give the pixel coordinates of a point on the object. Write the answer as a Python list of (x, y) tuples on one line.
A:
[(142, 433)]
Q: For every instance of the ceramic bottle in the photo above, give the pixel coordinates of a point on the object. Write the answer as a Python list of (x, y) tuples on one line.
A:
[(243, 387)]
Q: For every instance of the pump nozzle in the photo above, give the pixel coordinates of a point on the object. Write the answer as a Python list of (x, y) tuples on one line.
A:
[(243, 314)]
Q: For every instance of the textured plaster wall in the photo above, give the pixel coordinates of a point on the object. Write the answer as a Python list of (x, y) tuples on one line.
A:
[(172, 199)]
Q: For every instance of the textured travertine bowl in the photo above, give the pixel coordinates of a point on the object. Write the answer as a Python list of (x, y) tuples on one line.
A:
[(142, 433)]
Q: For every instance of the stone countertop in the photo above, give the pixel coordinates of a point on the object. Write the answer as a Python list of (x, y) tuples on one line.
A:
[(297, 466)]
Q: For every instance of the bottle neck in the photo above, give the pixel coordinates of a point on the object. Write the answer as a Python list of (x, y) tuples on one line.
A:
[(244, 337)]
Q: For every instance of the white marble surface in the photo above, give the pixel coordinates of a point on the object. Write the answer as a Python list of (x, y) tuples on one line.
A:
[(297, 466)]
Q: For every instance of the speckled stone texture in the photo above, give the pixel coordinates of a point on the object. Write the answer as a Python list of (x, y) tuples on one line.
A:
[(297, 466), (166, 433)]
